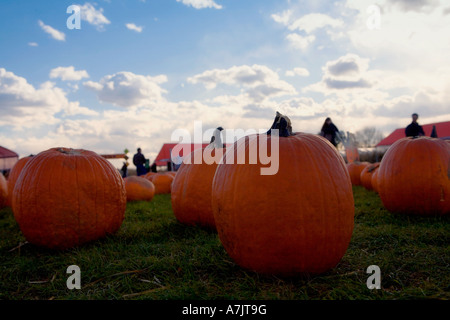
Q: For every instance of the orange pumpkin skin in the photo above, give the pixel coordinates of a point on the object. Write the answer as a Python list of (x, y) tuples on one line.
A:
[(139, 189), (149, 176), (162, 182), (375, 181), (192, 189), (14, 175), (65, 197), (414, 177), (355, 169), (3, 192), (366, 175), (298, 221)]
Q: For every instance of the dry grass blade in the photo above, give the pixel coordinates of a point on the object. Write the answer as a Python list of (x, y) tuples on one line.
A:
[(115, 275), (19, 246), (132, 295)]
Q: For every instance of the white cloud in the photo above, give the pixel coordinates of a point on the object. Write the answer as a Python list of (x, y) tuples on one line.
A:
[(300, 42), (313, 21), (55, 34), (127, 89), (33, 44), (259, 82), (283, 17), (201, 4), (132, 26), (68, 74), (23, 105), (302, 72), (93, 16)]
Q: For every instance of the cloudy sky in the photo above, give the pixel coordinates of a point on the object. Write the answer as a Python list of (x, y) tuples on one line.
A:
[(138, 70)]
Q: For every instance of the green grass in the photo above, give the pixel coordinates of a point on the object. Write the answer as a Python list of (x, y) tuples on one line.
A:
[(154, 257)]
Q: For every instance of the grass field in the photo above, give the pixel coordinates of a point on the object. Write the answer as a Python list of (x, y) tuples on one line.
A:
[(154, 257)]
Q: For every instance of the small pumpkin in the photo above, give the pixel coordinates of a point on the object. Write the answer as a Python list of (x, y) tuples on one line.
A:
[(355, 169), (414, 177), (14, 174), (162, 182), (149, 176), (366, 175), (296, 221), (375, 181), (3, 192), (192, 186), (66, 197), (139, 189)]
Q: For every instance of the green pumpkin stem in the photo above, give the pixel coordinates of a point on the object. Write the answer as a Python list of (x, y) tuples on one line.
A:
[(283, 124)]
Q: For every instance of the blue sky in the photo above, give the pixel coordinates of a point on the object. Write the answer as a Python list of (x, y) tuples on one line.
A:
[(138, 70)]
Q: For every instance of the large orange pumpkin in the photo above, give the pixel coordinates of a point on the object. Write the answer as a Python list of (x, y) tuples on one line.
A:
[(355, 169), (192, 186), (66, 197), (14, 174), (3, 192), (162, 182), (414, 177), (139, 188), (299, 220), (366, 175)]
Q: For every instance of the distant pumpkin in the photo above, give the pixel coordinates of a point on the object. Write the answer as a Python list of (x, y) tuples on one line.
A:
[(14, 175), (139, 189), (3, 191), (355, 169), (414, 177), (375, 181), (366, 175), (162, 182), (65, 197)]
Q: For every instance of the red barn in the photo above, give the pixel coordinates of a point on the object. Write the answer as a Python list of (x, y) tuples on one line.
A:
[(163, 156), (442, 129), (8, 159)]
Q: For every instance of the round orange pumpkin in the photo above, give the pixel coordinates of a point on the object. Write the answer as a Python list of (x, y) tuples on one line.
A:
[(192, 186), (149, 176), (3, 191), (375, 181), (139, 189), (66, 197), (366, 175), (413, 177), (14, 174), (162, 182), (298, 220), (172, 173), (355, 169)]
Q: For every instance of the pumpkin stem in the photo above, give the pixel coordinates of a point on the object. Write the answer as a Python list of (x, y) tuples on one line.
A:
[(283, 124), (216, 139)]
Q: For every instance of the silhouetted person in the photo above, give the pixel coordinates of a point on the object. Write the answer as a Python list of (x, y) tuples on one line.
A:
[(329, 131), (434, 132), (153, 167), (139, 162), (124, 170), (414, 129)]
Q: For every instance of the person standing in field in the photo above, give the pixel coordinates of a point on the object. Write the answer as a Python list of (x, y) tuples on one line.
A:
[(139, 162), (329, 131), (414, 129)]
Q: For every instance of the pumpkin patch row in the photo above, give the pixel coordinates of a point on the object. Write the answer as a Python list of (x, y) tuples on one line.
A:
[(412, 178), (296, 221)]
